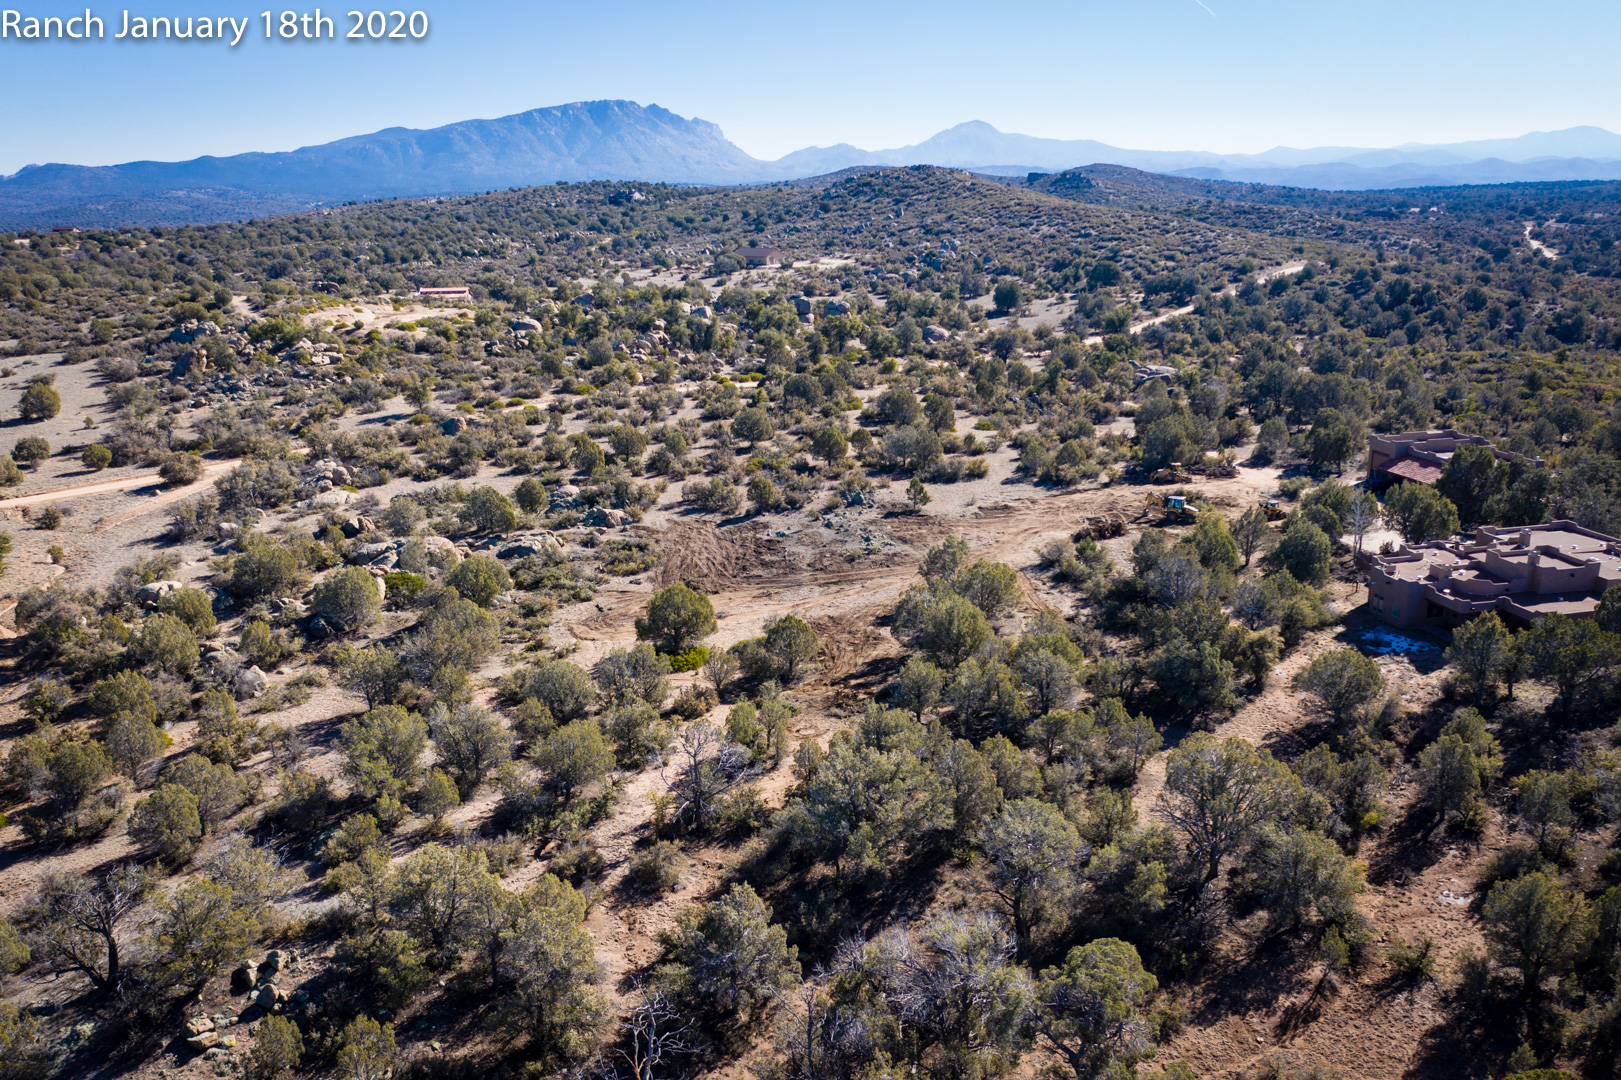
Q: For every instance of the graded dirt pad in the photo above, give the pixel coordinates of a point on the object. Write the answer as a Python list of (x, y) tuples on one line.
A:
[(717, 556)]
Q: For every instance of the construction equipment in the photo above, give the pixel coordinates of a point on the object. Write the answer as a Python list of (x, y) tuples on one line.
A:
[(1173, 509), (1273, 510), (1173, 473)]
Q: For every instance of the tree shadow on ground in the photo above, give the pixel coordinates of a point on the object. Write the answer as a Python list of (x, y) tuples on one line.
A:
[(821, 911), (1408, 849), (1491, 1033), (25, 850), (1255, 979)]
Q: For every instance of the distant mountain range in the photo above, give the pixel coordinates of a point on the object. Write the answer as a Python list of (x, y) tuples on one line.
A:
[(1579, 153), (622, 140)]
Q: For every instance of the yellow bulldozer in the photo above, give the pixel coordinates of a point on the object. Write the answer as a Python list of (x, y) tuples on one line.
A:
[(1172, 509), (1273, 509)]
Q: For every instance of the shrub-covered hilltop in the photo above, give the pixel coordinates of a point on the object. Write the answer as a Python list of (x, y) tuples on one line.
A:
[(936, 652)]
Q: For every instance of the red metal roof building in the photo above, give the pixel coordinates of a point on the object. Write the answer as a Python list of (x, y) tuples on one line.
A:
[(1421, 472), (1421, 456)]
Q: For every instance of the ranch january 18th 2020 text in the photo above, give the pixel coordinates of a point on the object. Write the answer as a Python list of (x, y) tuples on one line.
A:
[(282, 25)]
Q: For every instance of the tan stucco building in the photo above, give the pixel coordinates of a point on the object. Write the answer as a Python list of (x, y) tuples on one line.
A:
[(1523, 574)]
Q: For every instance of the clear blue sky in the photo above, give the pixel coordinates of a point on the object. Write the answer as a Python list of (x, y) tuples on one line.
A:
[(1153, 74)]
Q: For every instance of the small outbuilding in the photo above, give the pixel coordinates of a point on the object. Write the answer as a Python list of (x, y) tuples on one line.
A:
[(754, 257)]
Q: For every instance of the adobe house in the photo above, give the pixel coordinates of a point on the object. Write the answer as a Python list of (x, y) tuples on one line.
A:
[(1421, 456), (1524, 574)]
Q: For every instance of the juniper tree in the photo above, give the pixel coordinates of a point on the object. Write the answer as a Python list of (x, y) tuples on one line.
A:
[(1032, 851), (730, 955), (1091, 1008)]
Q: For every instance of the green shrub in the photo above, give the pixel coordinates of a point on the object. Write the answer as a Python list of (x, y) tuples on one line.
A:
[(656, 870), (39, 401), (179, 470), (30, 449), (691, 660), (694, 701), (347, 598), (402, 584), (531, 495), (480, 579), (1415, 961), (192, 607)]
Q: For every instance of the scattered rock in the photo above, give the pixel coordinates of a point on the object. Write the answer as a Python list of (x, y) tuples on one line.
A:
[(199, 1024), (192, 360), (455, 425), (153, 591), (440, 544), (250, 683), (523, 547), (225, 662), (603, 518), (335, 498), (205, 1041), (242, 978), (366, 553), (192, 329)]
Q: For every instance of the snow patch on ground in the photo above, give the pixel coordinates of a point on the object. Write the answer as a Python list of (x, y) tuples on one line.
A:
[(1383, 641)]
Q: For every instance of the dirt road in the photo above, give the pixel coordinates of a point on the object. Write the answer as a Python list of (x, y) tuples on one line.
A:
[(211, 472), (1537, 245), (1263, 277)]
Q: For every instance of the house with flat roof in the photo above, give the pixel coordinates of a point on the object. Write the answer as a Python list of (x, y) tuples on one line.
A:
[(1524, 574), (1421, 456)]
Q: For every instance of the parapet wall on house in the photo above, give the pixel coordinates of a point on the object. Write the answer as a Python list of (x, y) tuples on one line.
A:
[(1524, 572)]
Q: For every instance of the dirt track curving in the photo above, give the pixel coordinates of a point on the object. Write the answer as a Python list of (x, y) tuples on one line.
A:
[(163, 496)]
